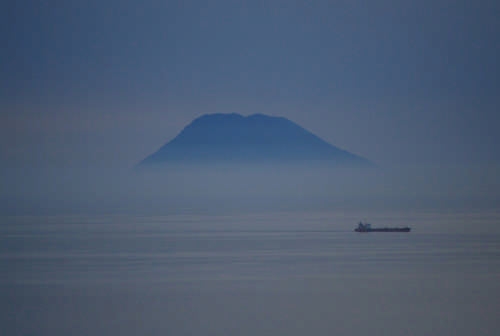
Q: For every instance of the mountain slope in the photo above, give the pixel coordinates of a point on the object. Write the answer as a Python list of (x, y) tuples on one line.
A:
[(257, 138)]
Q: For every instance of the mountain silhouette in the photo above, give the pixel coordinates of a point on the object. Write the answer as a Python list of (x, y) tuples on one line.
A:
[(220, 138)]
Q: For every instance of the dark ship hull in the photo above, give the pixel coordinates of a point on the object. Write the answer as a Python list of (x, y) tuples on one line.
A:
[(365, 227), (406, 229)]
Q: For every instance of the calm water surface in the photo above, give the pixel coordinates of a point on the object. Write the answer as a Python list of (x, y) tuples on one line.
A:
[(195, 275)]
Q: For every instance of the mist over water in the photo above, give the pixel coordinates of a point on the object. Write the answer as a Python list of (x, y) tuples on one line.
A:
[(249, 250), (458, 191)]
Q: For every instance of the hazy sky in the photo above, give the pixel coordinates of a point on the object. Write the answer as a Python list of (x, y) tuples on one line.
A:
[(108, 82)]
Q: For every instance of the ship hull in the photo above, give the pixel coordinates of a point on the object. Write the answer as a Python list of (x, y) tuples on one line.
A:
[(383, 230)]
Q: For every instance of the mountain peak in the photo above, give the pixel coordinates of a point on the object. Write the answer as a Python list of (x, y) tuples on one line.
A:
[(215, 138)]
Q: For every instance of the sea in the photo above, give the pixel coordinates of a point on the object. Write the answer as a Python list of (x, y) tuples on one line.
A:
[(282, 273)]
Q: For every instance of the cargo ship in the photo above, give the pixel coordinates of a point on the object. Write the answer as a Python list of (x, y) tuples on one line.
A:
[(365, 227)]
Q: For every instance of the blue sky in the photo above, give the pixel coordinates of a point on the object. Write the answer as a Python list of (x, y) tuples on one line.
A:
[(109, 82)]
